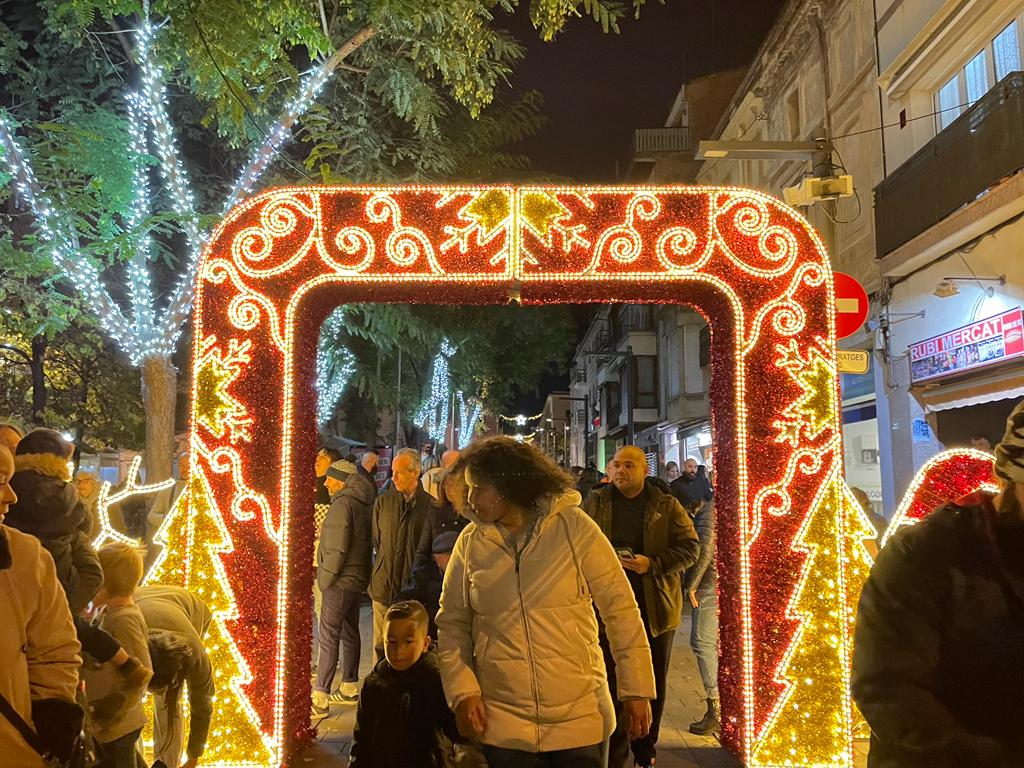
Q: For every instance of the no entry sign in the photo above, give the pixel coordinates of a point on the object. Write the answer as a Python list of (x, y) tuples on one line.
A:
[(851, 305)]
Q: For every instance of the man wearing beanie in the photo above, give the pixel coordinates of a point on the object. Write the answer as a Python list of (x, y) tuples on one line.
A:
[(938, 662), (343, 572)]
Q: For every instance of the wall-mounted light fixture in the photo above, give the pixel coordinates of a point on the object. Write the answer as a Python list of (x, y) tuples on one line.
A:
[(947, 286)]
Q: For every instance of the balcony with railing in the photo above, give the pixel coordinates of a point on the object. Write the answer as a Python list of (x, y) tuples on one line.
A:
[(974, 152), (649, 142)]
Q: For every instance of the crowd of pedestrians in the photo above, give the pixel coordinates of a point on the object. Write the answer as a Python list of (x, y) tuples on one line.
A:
[(521, 616), (81, 641)]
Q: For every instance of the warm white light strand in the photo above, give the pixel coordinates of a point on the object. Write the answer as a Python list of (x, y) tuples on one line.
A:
[(468, 418), (55, 232), (427, 416), (312, 84), (149, 334), (139, 281), (335, 365)]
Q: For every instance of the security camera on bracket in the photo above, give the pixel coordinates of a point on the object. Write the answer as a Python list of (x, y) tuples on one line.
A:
[(815, 190)]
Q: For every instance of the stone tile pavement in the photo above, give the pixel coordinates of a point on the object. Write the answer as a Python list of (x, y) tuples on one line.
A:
[(677, 747)]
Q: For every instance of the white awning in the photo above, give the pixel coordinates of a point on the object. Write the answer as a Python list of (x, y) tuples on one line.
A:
[(1006, 384)]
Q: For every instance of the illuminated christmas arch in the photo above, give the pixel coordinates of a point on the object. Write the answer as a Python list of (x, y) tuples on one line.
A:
[(791, 550)]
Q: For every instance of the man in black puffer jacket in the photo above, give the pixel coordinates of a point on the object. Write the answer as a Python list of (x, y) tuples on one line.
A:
[(938, 663), (343, 572)]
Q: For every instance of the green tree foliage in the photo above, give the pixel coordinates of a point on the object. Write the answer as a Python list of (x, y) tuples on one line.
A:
[(418, 97), (502, 351)]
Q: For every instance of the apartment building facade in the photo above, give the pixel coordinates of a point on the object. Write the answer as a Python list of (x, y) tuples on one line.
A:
[(948, 221)]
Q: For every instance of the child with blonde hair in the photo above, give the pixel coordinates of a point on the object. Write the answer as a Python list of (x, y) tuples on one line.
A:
[(115, 704)]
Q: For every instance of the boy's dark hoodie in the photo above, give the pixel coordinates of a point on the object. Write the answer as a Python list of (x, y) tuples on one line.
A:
[(49, 509), (403, 720)]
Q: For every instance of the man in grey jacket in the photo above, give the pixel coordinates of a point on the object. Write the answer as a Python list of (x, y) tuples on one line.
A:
[(399, 515), (343, 572)]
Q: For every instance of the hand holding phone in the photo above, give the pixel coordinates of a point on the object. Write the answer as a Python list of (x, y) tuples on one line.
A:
[(625, 553)]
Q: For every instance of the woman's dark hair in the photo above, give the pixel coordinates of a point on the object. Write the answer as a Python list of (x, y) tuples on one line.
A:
[(518, 471), (171, 657), (333, 453), (44, 440)]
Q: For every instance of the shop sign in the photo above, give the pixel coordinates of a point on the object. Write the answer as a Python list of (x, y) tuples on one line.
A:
[(855, 361), (996, 338)]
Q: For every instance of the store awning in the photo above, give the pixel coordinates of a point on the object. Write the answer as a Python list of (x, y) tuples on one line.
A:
[(1006, 384)]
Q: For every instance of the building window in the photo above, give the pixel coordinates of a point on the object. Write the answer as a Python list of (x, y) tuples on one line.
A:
[(793, 113), (976, 77), (646, 382), (949, 102), (1006, 51), (705, 346), (988, 66)]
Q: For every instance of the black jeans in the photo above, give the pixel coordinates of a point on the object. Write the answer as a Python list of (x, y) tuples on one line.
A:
[(119, 753), (644, 750), (581, 757), (339, 634)]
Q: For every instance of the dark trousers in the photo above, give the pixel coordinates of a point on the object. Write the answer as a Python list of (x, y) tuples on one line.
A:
[(339, 635), (581, 757), (644, 750), (97, 643), (119, 753)]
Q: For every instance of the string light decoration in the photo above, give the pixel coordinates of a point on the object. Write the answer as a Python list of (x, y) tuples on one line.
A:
[(335, 365), (469, 415), (144, 332), (520, 419), (945, 477), (433, 413), (195, 527), (792, 558), (105, 500)]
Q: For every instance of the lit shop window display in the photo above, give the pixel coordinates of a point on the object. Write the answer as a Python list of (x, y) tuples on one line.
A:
[(791, 554)]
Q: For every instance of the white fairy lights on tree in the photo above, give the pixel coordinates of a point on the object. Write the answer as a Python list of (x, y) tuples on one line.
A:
[(468, 417), (143, 332), (433, 413), (335, 365)]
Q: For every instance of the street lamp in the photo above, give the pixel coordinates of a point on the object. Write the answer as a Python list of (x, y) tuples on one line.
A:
[(822, 186)]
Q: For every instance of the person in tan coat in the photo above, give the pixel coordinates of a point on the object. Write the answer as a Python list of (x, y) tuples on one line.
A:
[(518, 636), (39, 674)]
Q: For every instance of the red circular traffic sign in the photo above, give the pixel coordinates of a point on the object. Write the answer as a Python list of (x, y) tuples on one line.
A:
[(851, 305)]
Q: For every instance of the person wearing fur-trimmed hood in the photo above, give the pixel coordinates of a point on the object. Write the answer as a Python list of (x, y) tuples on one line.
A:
[(48, 508)]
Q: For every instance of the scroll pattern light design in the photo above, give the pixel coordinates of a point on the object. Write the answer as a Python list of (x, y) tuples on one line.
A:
[(791, 558)]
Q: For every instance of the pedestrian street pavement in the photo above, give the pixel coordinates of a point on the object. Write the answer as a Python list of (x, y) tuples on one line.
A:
[(677, 747)]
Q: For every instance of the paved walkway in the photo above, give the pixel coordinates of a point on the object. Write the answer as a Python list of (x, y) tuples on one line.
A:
[(677, 747)]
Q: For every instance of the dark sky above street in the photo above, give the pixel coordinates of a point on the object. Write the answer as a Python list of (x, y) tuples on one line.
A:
[(597, 88)]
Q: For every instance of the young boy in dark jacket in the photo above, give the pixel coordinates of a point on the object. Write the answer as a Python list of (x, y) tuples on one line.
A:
[(403, 720)]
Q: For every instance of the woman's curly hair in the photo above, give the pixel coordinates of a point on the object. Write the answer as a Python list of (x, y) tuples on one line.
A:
[(518, 471)]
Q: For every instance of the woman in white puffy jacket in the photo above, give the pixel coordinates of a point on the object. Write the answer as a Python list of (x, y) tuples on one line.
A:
[(518, 636)]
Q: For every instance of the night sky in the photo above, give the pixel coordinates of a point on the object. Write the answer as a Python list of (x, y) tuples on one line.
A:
[(598, 88)]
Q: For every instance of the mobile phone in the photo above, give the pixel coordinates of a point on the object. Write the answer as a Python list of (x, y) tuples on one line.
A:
[(625, 553)]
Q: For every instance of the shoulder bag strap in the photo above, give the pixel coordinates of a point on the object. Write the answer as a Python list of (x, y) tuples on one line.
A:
[(30, 736)]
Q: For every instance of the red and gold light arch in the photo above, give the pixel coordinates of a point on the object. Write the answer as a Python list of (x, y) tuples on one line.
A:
[(791, 549)]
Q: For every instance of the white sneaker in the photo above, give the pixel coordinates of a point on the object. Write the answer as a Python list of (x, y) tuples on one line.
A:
[(321, 703), (348, 693)]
